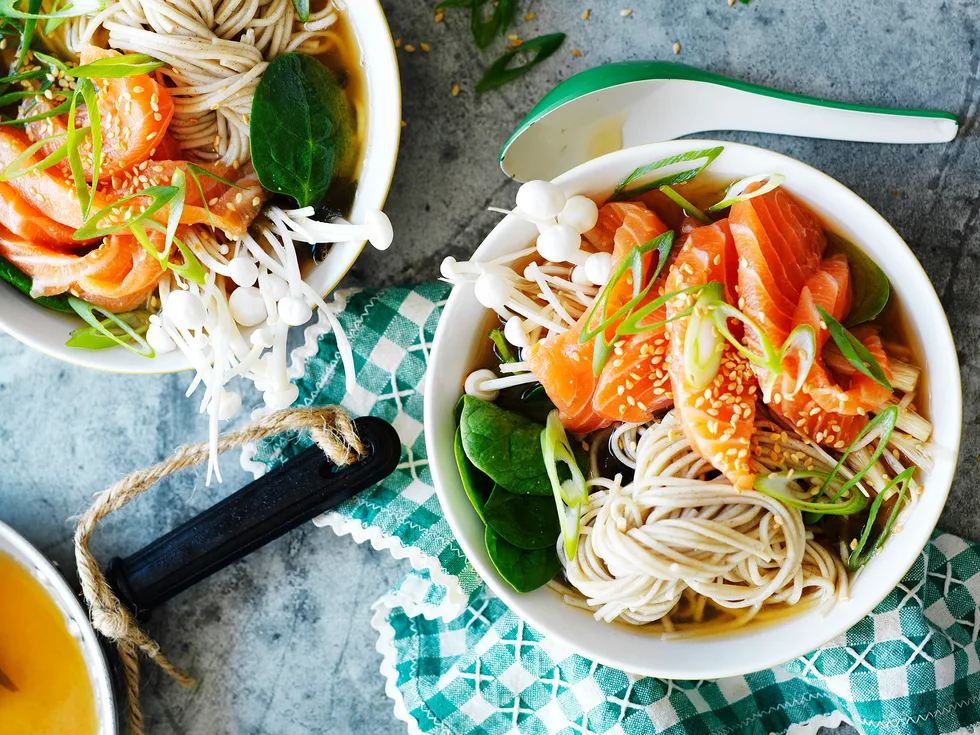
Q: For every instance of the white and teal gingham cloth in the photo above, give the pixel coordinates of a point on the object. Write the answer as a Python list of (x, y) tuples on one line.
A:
[(458, 661)]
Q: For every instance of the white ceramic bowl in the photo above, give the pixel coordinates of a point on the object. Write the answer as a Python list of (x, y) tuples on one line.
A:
[(47, 330), (458, 342)]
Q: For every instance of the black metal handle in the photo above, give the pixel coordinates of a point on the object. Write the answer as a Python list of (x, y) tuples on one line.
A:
[(260, 512)]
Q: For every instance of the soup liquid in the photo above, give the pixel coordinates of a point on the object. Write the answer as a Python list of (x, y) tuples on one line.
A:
[(37, 653)]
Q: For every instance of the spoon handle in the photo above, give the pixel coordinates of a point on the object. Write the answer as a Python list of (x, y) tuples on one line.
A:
[(265, 509)]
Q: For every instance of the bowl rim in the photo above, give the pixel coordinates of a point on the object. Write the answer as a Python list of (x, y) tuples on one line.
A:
[(389, 139), (454, 503)]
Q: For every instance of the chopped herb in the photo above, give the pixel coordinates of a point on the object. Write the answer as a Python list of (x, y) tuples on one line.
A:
[(854, 351), (501, 73), (625, 191), (116, 67)]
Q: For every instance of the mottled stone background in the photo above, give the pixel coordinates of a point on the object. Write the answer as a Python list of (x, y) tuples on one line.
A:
[(282, 642)]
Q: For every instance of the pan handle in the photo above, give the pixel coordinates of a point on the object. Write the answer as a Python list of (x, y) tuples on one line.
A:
[(298, 490)]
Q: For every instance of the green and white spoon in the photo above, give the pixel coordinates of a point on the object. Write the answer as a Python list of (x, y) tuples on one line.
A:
[(629, 103)]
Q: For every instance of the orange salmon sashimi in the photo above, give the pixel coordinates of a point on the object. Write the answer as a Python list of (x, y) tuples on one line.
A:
[(23, 220), (719, 418), (134, 114), (611, 216), (48, 191), (634, 383), (119, 275), (564, 368), (823, 410), (780, 244)]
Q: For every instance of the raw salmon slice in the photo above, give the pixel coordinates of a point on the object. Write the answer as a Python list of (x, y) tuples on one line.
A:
[(564, 368), (634, 383), (134, 114), (119, 275), (780, 244), (25, 221), (48, 191), (611, 216), (718, 419), (823, 410)]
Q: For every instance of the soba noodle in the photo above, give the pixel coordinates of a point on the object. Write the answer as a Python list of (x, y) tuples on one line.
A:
[(216, 51), (671, 544)]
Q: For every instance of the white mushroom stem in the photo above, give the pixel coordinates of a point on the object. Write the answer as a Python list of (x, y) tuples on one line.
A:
[(533, 273), (508, 382), (376, 229), (526, 308), (514, 367)]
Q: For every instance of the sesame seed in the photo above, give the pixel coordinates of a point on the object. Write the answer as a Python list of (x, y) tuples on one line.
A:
[(529, 17), (256, 201), (586, 14), (626, 13), (409, 48), (138, 89), (425, 47), (455, 91), (576, 52), (677, 48)]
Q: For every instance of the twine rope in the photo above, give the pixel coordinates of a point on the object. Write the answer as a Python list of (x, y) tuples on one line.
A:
[(329, 427)]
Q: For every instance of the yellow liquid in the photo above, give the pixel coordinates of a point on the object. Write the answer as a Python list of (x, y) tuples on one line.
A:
[(39, 655)]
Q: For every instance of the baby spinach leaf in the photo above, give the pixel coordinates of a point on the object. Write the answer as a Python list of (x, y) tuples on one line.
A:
[(504, 445), (302, 9), (477, 485), (302, 129), (527, 521), (870, 289), (523, 570)]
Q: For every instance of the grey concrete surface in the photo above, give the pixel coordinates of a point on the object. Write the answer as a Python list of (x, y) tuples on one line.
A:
[(282, 642)]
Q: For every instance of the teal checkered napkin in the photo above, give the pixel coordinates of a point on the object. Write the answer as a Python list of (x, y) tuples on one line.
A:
[(457, 660)]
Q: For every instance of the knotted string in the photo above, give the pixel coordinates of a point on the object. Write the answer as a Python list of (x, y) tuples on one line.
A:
[(329, 427)]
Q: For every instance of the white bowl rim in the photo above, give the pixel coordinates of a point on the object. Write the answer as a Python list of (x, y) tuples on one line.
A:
[(901, 555), (384, 134)]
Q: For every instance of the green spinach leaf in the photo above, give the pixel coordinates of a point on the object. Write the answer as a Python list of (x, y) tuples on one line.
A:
[(504, 445), (302, 129), (527, 521), (869, 284), (523, 570), (477, 485)]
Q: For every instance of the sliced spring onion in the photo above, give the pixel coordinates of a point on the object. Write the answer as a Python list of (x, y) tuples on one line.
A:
[(503, 349), (454, 4), (176, 207), (802, 340), (116, 67), (736, 192), (23, 76), (854, 351), (483, 25), (90, 95), (302, 10), (601, 352), (721, 312), (858, 557), (16, 168), (571, 492), (869, 284), (30, 26), (135, 343), (69, 10), (90, 338), (624, 191), (501, 72), (631, 324), (886, 420), (702, 348), (74, 143), (776, 486), (51, 61), (10, 97), (53, 112), (634, 262), (196, 173), (191, 269), (688, 208), (161, 196)]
